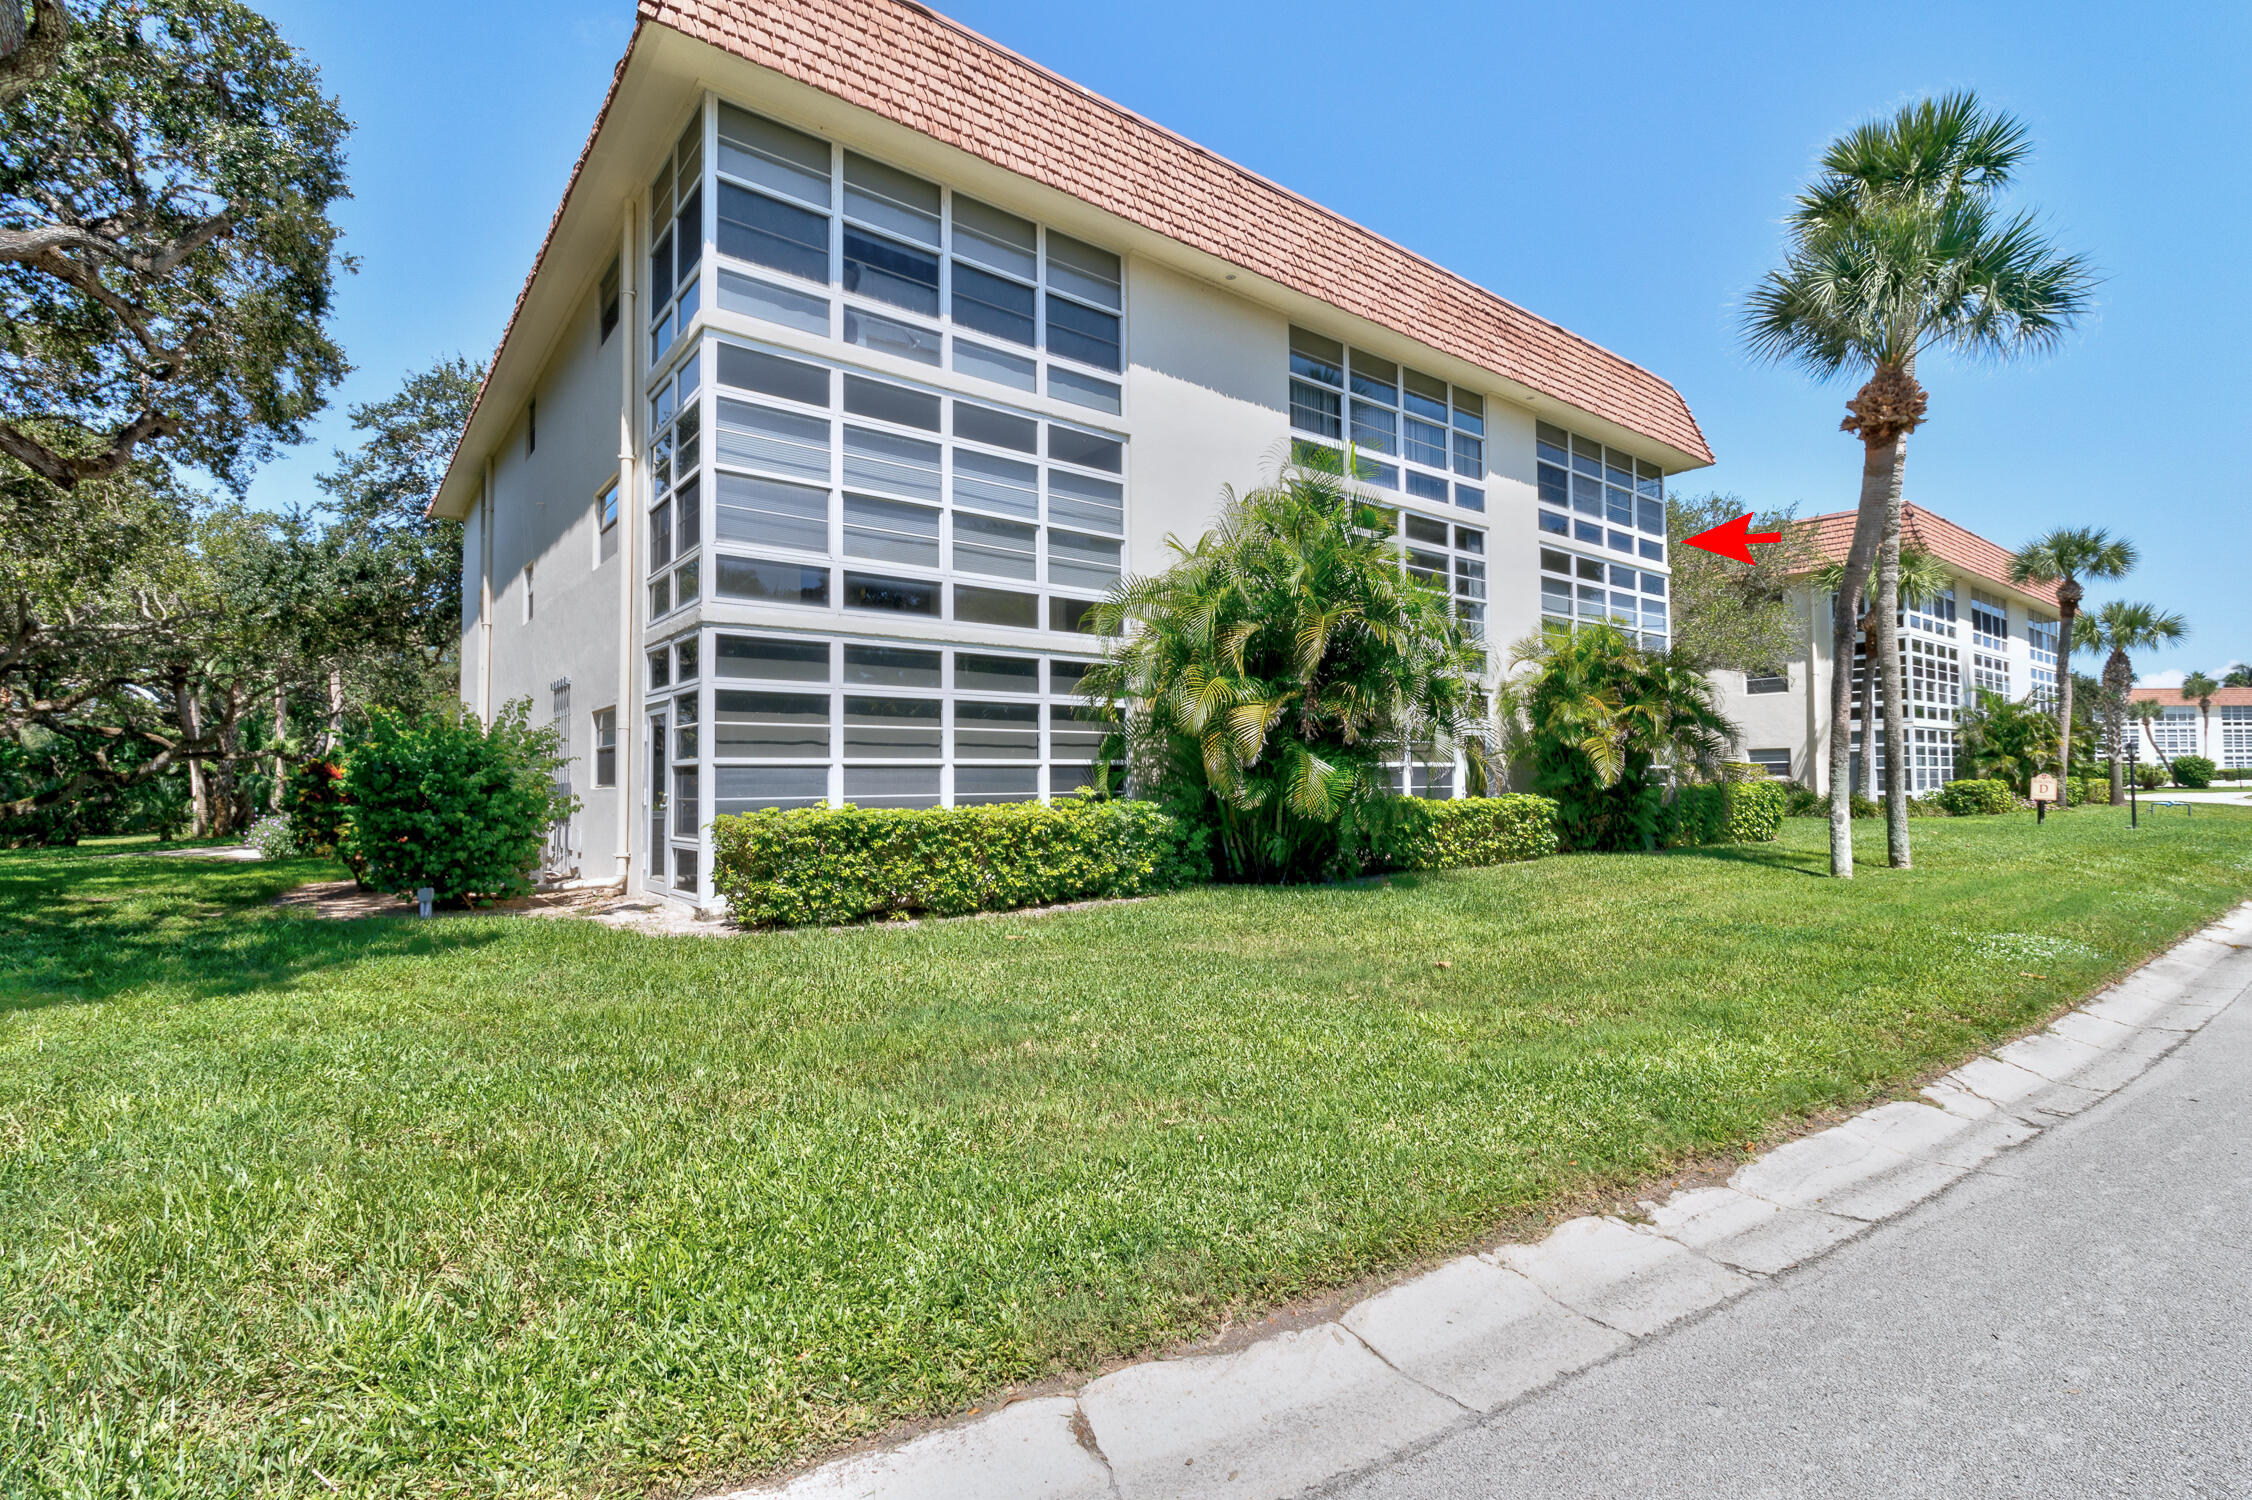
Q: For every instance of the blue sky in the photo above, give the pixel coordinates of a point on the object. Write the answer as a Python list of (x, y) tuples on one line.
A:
[(1620, 169)]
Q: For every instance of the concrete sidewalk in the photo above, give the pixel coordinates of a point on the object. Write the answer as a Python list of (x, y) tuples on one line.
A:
[(1427, 1389)]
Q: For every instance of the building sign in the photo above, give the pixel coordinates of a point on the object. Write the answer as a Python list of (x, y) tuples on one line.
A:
[(2044, 788)]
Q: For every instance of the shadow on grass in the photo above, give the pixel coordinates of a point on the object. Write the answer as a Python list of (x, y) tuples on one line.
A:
[(1811, 862), (82, 926)]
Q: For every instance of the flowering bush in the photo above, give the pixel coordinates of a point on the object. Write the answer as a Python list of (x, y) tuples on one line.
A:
[(274, 838)]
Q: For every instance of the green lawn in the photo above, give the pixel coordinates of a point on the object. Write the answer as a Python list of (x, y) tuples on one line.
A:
[(486, 1206)]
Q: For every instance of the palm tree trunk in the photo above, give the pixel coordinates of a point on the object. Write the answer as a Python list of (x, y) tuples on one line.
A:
[(1888, 662), (1877, 463), (2118, 682), (1868, 708), (2158, 750), (2068, 611)]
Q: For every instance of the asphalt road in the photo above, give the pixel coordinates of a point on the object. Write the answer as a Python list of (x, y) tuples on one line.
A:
[(2073, 1320)]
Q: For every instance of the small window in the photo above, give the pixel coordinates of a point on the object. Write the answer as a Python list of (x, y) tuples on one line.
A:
[(606, 524), (605, 747), (531, 426), (1768, 683), (891, 403), (609, 301), (527, 593), (1777, 763)]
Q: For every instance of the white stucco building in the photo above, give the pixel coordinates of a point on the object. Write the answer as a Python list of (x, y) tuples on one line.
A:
[(863, 355), (2223, 736), (1982, 632)]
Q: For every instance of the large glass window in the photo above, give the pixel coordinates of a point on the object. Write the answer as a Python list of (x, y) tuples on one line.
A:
[(1598, 495), (1409, 431), (926, 274), (676, 239), (944, 507), (891, 725), (676, 517), (1575, 587)]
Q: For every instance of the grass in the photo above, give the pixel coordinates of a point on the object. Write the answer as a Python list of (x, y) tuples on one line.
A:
[(485, 1206)]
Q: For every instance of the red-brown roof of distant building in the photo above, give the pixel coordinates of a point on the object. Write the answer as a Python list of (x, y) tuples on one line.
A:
[(937, 77), (1935, 534), (2228, 697)]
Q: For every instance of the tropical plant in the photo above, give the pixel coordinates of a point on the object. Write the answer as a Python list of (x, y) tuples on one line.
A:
[(1896, 251), (2239, 675), (1596, 718), (1921, 577), (2065, 558), (1272, 680), (1999, 740), (2115, 631), (2199, 688)]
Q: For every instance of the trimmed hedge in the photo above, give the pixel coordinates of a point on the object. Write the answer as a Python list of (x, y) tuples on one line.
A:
[(1733, 812), (1473, 831), (820, 865), (1964, 799), (2193, 771)]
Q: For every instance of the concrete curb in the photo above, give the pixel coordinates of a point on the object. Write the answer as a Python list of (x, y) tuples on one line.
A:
[(1302, 1409)]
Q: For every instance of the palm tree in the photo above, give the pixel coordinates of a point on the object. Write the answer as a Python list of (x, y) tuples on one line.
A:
[(1921, 577), (2113, 631), (1898, 250), (2147, 712), (1273, 679), (2239, 675), (2201, 687), (2063, 558)]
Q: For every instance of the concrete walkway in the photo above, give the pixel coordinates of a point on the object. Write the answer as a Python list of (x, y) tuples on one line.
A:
[(2064, 1313)]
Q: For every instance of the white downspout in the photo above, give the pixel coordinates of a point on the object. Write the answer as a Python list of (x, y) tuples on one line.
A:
[(485, 602), (629, 522)]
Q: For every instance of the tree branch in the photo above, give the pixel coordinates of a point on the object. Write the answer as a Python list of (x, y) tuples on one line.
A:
[(65, 472), (28, 56)]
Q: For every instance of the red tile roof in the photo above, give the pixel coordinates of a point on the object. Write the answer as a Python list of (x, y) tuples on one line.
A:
[(937, 77), (2228, 697), (1935, 534)]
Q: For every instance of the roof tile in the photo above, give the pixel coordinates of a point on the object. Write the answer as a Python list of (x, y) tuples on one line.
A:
[(925, 71), (1942, 538)]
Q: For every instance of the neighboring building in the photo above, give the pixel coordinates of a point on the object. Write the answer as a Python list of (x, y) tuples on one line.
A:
[(864, 355), (2224, 738), (1983, 632)]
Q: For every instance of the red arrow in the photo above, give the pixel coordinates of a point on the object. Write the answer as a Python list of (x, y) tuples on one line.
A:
[(1732, 539)]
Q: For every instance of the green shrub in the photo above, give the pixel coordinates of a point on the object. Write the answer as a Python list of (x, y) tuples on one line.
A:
[(2149, 778), (2088, 791), (1864, 807), (2193, 771), (442, 801), (313, 797), (1471, 832), (827, 865), (1965, 799), (1732, 812)]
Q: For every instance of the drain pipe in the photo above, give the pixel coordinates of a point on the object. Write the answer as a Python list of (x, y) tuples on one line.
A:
[(485, 601), (629, 542)]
